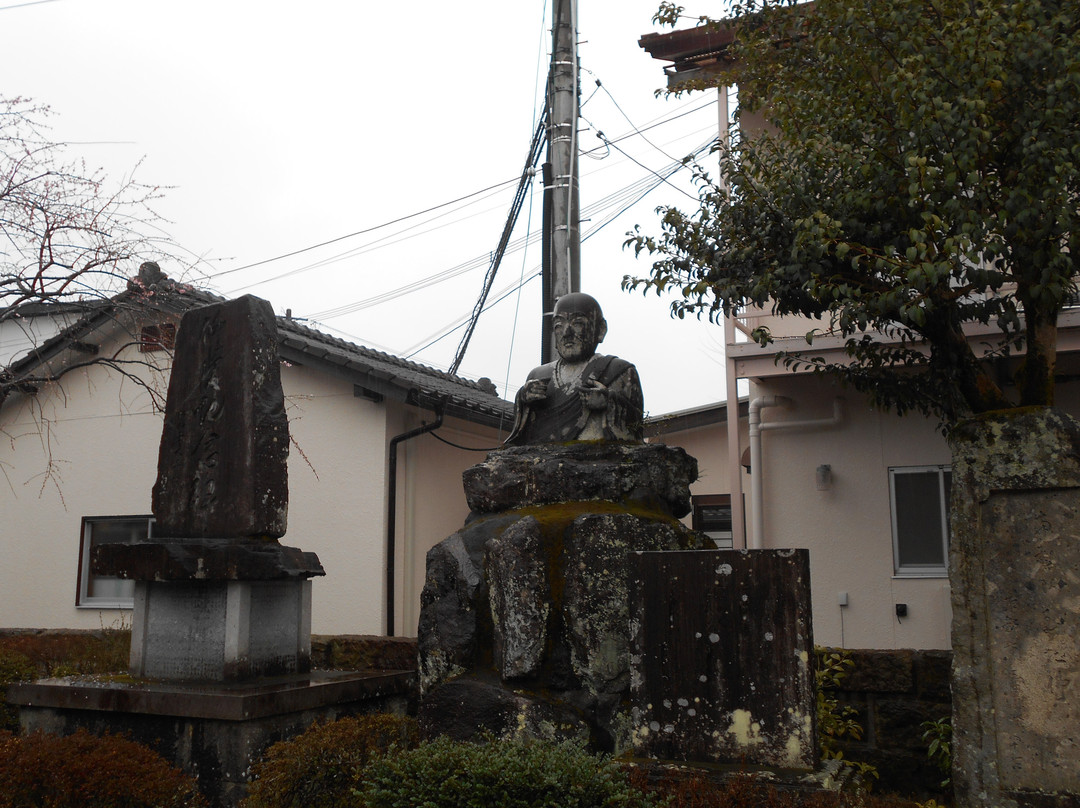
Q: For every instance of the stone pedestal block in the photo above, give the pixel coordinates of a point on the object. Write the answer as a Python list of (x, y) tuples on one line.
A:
[(1015, 577), (220, 631), (652, 475)]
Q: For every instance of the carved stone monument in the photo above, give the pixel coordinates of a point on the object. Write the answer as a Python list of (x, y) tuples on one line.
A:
[(524, 614), (217, 597), (221, 632)]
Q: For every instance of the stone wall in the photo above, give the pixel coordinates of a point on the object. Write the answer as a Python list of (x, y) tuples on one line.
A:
[(894, 692)]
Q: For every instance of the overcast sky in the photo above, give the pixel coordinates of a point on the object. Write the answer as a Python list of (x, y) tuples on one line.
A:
[(280, 126)]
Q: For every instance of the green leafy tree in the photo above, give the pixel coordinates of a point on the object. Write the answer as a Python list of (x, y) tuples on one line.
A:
[(920, 174)]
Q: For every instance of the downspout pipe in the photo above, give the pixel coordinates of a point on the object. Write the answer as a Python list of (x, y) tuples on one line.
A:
[(391, 513), (757, 535)]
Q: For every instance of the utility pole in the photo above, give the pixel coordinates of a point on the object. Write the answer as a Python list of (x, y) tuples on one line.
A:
[(562, 236)]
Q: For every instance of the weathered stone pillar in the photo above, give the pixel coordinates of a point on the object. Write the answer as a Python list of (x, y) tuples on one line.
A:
[(1015, 577)]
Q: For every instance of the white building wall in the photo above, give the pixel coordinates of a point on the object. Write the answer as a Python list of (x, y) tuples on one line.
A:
[(848, 528), (337, 484), (89, 447)]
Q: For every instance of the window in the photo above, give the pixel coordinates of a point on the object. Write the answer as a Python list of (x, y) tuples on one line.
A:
[(712, 516), (102, 591), (919, 497)]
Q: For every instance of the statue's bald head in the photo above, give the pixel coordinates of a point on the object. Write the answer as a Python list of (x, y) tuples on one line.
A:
[(578, 326), (578, 302)]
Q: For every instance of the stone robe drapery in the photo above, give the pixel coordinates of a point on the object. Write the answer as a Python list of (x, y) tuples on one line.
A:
[(562, 415)]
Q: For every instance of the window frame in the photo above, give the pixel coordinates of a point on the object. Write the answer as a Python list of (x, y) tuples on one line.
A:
[(701, 501), (83, 600), (157, 337), (943, 471)]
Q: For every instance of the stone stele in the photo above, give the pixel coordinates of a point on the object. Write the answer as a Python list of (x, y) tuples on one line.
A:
[(224, 446), (217, 597)]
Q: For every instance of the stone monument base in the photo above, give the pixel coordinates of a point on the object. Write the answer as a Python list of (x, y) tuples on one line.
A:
[(220, 631), (212, 732), (215, 610)]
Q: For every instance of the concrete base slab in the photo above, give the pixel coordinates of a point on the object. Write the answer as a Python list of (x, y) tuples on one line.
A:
[(214, 732)]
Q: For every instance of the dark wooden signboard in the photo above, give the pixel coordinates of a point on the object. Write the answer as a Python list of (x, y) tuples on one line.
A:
[(722, 657)]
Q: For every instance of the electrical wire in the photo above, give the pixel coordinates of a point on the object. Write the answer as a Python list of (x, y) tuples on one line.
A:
[(527, 174), (660, 121), (365, 230), (622, 199)]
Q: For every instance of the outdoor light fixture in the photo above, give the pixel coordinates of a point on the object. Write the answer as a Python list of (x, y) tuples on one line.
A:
[(823, 477)]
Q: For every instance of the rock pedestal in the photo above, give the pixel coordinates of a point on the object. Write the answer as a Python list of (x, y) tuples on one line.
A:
[(1015, 578), (524, 614)]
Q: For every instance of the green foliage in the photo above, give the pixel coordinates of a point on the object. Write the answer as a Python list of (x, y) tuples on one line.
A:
[(14, 667), (920, 173), (836, 722), (87, 771), (938, 736), (323, 767), (510, 774)]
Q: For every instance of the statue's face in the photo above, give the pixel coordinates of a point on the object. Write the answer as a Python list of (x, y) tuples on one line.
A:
[(578, 327)]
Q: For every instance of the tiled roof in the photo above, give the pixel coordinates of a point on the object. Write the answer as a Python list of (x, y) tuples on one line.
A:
[(377, 374), (374, 374)]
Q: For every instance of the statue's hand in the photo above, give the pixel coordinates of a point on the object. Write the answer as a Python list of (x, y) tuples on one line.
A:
[(594, 396), (534, 390)]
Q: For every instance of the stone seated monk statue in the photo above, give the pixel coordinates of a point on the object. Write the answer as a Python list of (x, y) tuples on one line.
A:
[(582, 395)]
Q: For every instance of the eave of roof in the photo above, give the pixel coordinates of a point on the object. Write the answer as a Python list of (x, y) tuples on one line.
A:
[(381, 374), (694, 53), (693, 418)]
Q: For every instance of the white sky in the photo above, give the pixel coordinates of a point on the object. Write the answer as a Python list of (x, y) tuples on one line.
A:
[(279, 126)]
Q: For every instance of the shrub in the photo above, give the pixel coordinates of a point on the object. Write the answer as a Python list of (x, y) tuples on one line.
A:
[(69, 653), (835, 722), (88, 771), (323, 767), (509, 774), (14, 667)]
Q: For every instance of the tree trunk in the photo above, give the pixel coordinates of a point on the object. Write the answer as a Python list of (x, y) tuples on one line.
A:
[(1036, 377)]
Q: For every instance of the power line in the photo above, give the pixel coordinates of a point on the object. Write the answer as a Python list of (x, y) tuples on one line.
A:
[(380, 243), (637, 191), (527, 174), (365, 230), (663, 120), (623, 198)]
